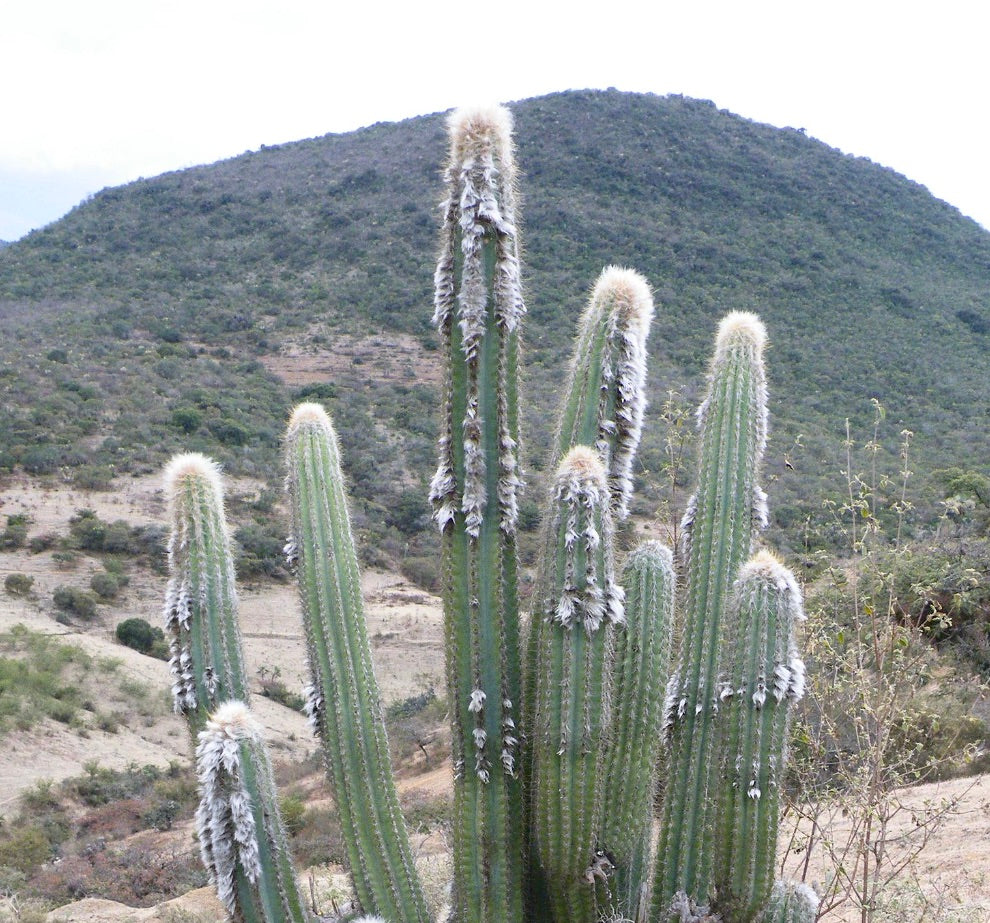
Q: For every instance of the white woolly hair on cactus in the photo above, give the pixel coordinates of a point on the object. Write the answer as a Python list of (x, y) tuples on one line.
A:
[(192, 465), (224, 820), (631, 293), (309, 414), (477, 128), (740, 325)]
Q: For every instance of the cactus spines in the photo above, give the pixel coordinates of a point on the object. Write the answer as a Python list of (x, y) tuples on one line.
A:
[(478, 308), (207, 660), (342, 701), (727, 509), (633, 751), (581, 606), (791, 902), (242, 840), (764, 677)]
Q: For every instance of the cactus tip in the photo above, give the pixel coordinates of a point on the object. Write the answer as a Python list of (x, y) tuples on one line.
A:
[(191, 465), (630, 293), (308, 413), (477, 127), (233, 720), (584, 463), (740, 326), (649, 553)]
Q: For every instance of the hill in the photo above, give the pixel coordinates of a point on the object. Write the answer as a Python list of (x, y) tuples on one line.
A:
[(190, 309)]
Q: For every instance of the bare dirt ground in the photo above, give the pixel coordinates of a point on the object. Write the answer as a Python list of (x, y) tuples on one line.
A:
[(952, 874), (393, 356), (403, 623)]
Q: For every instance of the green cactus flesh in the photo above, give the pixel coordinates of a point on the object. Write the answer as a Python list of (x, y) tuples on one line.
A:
[(719, 526), (342, 700), (478, 309), (207, 659), (764, 678), (633, 751)]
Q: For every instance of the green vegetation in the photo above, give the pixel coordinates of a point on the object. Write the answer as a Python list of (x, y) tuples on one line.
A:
[(160, 303), (142, 637), (43, 677), (99, 827)]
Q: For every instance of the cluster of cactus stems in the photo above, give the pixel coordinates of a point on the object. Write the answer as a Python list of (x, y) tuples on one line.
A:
[(569, 726)]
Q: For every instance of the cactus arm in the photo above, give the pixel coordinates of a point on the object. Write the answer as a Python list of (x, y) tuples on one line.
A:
[(764, 679), (604, 399), (243, 842), (632, 756), (581, 606), (207, 659), (478, 309), (343, 701), (727, 508)]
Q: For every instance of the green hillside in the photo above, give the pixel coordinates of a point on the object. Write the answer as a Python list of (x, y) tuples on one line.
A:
[(156, 315)]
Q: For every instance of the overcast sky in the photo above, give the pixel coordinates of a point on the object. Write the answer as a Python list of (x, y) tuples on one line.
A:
[(100, 92)]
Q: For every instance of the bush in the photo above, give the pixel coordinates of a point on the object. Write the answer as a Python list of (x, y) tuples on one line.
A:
[(75, 601), (18, 584), (293, 811), (105, 585), (423, 571), (139, 635), (15, 535), (24, 849), (93, 477)]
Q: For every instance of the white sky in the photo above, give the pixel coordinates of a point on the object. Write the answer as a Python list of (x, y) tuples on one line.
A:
[(100, 92)]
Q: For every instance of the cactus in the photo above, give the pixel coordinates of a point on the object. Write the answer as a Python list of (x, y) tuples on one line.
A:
[(207, 660), (242, 837), (342, 700), (553, 791), (477, 311), (634, 749), (581, 608), (764, 678)]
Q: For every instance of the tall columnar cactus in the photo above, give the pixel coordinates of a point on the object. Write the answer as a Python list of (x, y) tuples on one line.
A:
[(207, 661), (764, 678), (719, 527), (581, 607), (477, 311), (634, 746), (342, 700), (242, 839)]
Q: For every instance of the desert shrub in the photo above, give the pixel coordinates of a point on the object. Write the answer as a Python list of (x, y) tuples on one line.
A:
[(65, 560), (115, 819), (293, 810), (273, 688), (87, 530), (77, 602), (105, 585), (15, 535), (139, 635), (422, 571), (43, 542), (24, 849), (261, 551), (18, 584), (319, 840), (93, 477), (162, 815)]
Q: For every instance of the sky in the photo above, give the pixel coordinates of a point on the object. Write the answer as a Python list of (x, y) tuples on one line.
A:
[(102, 92)]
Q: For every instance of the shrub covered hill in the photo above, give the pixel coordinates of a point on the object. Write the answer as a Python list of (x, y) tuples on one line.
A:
[(191, 309)]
